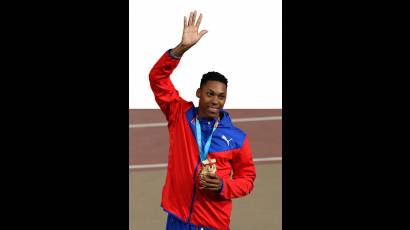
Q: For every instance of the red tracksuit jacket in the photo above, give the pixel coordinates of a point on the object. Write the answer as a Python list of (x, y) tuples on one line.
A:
[(181, 195)]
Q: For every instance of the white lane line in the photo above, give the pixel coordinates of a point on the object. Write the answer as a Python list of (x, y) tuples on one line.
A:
[(237, 120), (273, 118), (268, 159), (164, 165), (148, 125), (148, 166)]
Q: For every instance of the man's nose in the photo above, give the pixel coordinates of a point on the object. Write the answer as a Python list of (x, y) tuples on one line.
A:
[(214, 100)]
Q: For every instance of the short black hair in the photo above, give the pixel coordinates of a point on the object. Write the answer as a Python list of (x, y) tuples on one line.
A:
[(213, 76)]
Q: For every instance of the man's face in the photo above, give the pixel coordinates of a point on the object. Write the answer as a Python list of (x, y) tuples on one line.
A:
[(212, 96)]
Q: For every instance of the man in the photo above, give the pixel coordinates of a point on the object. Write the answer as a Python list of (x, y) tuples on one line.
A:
[(209, 161)]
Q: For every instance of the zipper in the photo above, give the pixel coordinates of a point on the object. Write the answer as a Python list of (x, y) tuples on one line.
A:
[(194, 193)]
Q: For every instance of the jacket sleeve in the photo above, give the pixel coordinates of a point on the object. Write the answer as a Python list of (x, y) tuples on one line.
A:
[(160, 82), (244, 174)]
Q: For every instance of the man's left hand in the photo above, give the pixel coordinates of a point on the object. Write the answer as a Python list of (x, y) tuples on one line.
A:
[(210, 182)]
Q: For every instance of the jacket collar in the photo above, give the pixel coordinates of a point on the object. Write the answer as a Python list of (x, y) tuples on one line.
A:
[(225, 118)]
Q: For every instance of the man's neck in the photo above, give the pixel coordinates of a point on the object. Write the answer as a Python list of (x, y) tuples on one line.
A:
[(203, 117)]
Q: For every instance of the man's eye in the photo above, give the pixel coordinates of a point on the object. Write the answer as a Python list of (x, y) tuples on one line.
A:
[(209, 94), (221, 97)]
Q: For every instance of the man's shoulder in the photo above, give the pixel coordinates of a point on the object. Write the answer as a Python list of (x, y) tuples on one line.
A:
[(227, 121), (236, 134), (237, 131)]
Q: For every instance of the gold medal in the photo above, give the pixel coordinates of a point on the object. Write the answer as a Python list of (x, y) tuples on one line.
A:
[(208, 166)]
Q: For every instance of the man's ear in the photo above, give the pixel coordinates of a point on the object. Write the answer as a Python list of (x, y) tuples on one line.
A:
[(198, 93)]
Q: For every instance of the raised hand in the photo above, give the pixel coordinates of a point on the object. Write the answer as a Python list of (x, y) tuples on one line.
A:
[(190, 36)]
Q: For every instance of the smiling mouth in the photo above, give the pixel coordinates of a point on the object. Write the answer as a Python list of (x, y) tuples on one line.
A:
[(213, 110)]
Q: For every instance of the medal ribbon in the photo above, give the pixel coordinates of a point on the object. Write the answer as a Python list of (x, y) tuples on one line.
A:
[(203, 153)]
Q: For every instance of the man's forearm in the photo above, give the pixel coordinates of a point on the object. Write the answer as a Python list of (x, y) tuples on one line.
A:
[(179, 50)]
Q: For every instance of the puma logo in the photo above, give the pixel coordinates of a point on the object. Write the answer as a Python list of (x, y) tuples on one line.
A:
[(226, 139)]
